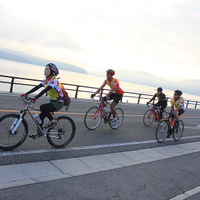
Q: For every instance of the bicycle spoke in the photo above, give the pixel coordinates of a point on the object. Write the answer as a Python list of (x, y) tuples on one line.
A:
[(178, 130), (93, 118), (162, 131)]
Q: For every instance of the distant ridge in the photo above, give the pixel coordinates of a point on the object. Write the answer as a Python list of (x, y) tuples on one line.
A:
[(140, 77), (16, 56)]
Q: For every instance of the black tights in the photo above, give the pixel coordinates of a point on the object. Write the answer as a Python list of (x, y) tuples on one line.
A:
[(46, 110)]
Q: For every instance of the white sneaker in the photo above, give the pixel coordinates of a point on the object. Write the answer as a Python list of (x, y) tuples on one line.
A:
[(113, 121)]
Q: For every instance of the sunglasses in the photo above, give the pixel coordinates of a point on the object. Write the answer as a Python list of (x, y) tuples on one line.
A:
[(175, 94)]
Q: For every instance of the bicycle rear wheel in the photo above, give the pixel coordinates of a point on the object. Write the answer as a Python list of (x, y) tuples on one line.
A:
[(178, 131), (162, 131), (120, 119), (93, 118), (62, 133), (9, 140), (148, 117)]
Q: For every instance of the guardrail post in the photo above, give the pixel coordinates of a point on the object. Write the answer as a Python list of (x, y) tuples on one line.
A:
[(139, 98), (11, 84), (101, 92), (76, 92), (187, 104), (195, 105)]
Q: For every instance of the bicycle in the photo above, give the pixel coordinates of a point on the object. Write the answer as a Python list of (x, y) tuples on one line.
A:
[(152, 114), (95, 114), (168, 127), (14, 128)]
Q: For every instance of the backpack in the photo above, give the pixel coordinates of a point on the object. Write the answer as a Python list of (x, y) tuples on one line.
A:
[(66, 98)]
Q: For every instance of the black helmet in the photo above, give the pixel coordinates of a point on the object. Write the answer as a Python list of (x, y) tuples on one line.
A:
[(178, 92), (159, 89), (53, 68)]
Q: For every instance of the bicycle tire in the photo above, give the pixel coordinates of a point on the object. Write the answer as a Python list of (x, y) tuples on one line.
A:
[(120, 119), (93, 118), (148, 118), (9, 141), (178, 132), (62, 133), (162, 130)]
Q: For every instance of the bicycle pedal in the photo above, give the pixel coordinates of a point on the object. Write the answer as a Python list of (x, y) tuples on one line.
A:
[(37, 135)]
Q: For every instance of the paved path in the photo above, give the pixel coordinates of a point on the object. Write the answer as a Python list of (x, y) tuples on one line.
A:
[(104, 164), (31, 173)]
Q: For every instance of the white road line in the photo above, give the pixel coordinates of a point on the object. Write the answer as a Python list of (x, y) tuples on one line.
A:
[(187, 194), (11, 153)]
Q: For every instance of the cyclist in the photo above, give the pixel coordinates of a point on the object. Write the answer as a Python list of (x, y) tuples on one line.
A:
[(53, 89), (115, 93), (177, 104), (162, 101)]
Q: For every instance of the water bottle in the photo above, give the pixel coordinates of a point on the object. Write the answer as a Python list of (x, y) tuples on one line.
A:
[(37, 118), (105, 110)]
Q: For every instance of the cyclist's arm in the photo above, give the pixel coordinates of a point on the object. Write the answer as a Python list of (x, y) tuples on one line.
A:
[(177, 109), (34, 89), (43, 92), (99, 90), (152, 98)]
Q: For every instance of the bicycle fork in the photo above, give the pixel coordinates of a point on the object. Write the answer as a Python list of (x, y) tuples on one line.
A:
[(16, 123)]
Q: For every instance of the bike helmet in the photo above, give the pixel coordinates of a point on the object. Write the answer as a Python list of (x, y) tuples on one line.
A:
[(53, 68), (159, 89), (178, 92), (111, 71)]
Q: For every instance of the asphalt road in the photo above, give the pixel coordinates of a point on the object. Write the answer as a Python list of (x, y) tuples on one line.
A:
[(162, 180)]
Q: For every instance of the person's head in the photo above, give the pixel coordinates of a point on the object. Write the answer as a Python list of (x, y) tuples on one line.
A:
[(110, 73), (159, 90), (51, 70), (177, 94)]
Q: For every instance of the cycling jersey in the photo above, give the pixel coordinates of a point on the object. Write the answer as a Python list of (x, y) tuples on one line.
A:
[(56, 92), (114, 84), (178, 102)]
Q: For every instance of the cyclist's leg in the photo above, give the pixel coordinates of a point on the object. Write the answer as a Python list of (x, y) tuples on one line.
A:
[(117, 98), (162, 108), (46, 110)]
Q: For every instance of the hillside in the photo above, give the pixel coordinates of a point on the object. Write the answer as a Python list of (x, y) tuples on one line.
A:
[(144, 78), (34, 60)]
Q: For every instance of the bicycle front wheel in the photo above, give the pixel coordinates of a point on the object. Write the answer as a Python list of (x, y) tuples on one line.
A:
[(178, 131), (162, 131), (10, 139), (93, 118), (62, 133), (120, 119), (148, 118)]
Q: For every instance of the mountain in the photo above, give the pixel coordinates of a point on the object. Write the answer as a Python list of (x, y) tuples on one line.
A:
[(34, 60), (144, 78)]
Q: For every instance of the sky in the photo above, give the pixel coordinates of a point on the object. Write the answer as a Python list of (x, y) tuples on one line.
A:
[(159, 37)]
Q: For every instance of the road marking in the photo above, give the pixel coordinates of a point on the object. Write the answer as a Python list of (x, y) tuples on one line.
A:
[(187, 194), (73, 113), (90, 147)]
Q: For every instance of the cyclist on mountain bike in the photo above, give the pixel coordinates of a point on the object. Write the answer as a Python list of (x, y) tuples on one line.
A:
[(53, 89), (115, 93), (162, 101), (177, 104)]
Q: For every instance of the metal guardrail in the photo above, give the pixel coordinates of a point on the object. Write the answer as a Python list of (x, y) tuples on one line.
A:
[(81, 88)]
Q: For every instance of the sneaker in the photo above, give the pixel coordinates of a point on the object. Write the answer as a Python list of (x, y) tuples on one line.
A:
[(52, 124), (113, 121)]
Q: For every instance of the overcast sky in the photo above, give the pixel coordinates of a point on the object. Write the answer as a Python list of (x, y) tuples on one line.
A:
[(160, 37)]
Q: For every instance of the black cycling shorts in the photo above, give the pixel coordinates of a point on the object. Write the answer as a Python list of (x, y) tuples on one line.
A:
[(116, 97), (180, 112)]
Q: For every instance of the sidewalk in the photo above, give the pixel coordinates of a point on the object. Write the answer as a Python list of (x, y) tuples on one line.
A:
[(30, 173)]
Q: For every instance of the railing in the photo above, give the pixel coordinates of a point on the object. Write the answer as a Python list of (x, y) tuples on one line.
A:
[(87, 89)]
